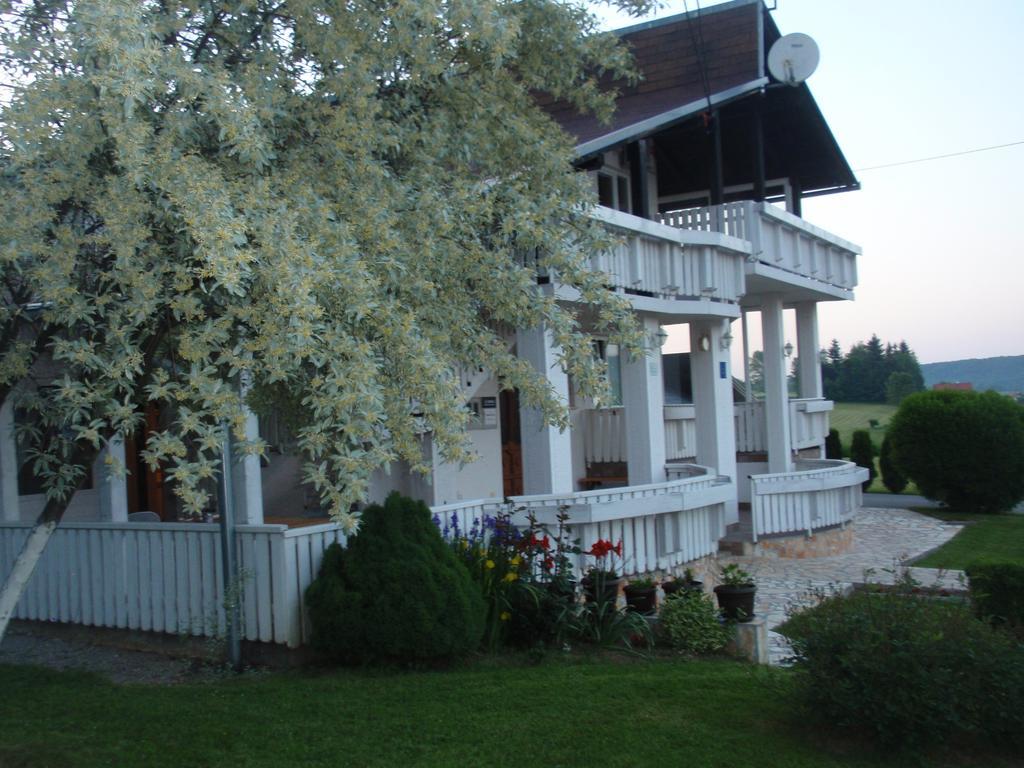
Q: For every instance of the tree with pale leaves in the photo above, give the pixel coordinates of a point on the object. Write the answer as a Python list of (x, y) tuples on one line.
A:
[(337, 203)]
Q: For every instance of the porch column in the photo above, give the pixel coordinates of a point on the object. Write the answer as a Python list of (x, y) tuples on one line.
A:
[(643, 400), (808, 349), (711, 380), (748, 386), (112, 481), (247, 477), (8, 465), (776, 396), (547, 451)]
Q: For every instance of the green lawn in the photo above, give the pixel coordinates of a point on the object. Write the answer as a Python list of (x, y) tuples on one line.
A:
[(621, 712), (989, 538), (846, 417)]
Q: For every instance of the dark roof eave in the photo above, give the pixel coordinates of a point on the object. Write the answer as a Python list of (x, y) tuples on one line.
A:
[(664, 120)]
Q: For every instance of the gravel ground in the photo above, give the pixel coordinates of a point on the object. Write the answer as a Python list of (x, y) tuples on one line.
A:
[(22, 646)]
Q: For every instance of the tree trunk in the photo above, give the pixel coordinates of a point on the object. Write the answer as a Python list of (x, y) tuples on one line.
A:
[(32, 551)]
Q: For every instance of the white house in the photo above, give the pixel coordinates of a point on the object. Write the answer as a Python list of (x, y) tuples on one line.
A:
[(701, 176)]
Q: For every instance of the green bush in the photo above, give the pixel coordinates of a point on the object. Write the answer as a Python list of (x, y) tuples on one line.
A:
[(892, 478), (997, 593), (913, 670), (833, 445), (690, 621), (963, 448), (397, 593), (862, 453)]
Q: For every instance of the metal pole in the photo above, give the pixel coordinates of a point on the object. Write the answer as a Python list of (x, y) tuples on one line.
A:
[(232, 585)]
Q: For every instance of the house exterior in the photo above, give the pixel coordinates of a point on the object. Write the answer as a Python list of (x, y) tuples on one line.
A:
[(700, 176)]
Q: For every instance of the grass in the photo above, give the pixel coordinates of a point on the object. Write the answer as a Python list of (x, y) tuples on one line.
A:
[(988, 538), (846, 417), (621, 713)]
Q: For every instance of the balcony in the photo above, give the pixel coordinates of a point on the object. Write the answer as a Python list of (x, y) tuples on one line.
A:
[(786, 252), (667, 269), (808, 424)]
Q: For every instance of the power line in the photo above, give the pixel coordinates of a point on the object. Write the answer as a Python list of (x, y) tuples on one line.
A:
[(941, 157)]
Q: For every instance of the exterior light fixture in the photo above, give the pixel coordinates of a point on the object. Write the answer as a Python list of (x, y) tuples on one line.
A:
[(726, 341), (788, 349), (661, 336)]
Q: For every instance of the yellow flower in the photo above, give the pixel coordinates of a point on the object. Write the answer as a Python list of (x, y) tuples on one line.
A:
[(465, 544), (516, 560), (511, 576), (505, 615), (489, 564)]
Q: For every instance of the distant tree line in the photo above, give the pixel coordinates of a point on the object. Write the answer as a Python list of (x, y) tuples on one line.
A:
[(871, 372)]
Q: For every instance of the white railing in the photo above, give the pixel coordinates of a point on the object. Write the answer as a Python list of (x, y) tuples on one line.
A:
[(749, 419), (661, 525), (777, 238), (817, 494), (604, 434), (680, 432), (167, 577), (671, 263), (808, 422)]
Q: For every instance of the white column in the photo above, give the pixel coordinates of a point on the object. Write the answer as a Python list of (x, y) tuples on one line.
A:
[(112, 482), (643, 401), (748, 386), (8, 465), (776, 395), (808, 349), (547, 452), (247, 476), (711, 380)]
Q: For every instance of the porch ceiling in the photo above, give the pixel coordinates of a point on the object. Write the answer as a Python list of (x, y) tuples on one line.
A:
[(763, 279)]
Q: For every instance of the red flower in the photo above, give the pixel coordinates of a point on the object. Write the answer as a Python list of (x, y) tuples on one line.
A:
[(617, 549)]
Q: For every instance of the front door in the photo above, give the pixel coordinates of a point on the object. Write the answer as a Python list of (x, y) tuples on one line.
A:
[(511, 447)]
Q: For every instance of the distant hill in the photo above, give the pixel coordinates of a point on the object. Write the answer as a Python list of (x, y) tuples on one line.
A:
[(1003, 374)]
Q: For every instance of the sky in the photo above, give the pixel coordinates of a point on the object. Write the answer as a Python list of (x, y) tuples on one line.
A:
[(943, 241)]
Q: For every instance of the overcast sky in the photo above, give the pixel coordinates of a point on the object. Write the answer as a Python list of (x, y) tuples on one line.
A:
[(943, 262)]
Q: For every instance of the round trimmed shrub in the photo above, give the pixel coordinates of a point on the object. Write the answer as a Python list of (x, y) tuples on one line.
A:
[(690, 621), (894, 480), (862, 453), (397, 593), (962, 448)]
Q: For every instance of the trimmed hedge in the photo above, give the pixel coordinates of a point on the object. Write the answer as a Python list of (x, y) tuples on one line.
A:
[(397, 593), (862, 453), (833, 445), (962, 448), (915, 671), (894, 480), (997, 593)]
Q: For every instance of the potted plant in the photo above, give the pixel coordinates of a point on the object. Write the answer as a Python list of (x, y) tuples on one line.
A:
[(642, 595), (686, 584), (736, 593), (602, 582)]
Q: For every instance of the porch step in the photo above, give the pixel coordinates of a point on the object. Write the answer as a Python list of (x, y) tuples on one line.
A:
[(739, 537)]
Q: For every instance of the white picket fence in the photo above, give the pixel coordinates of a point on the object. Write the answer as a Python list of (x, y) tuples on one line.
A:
[(167, 577), (817, 494), (661, 525)]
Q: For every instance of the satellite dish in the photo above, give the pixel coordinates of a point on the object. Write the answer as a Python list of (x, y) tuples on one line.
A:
[(793, 58)]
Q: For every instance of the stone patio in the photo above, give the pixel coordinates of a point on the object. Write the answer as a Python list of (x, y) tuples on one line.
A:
[(883, 539)]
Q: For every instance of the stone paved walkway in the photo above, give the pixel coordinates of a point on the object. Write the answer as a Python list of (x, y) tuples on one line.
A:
[(883, 539)]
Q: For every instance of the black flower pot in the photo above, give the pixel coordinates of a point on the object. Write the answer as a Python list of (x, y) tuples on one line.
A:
[(642, 599), (736, 602)]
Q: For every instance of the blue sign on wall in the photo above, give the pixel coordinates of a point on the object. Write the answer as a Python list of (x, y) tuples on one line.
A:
[(721, 371)]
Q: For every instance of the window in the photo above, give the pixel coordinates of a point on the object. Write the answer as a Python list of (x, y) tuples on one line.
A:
[(613, 191), (610, 354)]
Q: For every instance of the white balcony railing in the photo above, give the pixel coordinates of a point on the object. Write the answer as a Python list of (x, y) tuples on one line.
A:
[(670, 263), (777, 238), (817, 494), (661, 525), (808, 424), (604, 433), (680, 432)]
